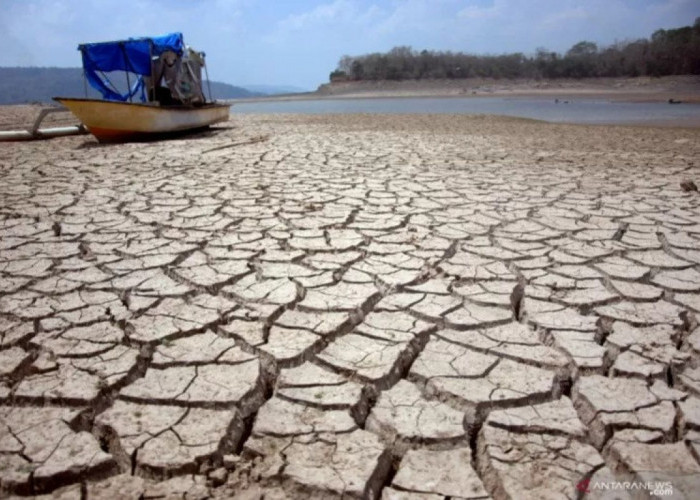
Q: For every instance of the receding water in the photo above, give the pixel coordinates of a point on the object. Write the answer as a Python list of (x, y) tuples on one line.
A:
[(573, 111)]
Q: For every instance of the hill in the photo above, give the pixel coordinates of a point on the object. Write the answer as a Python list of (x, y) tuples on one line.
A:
[(21, 85)]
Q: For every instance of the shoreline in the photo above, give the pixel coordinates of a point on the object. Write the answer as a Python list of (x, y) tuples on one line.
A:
[(21, 116), (587, 95), (691, 124), (493, 104), (641, 89)]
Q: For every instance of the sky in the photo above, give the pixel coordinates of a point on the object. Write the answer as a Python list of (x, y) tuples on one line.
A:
[(299, 42)]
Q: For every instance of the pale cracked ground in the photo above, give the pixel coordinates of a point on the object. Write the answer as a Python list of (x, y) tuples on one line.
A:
[(358, 307)]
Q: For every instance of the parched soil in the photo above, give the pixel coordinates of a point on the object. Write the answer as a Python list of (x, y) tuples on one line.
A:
[(351, 306)]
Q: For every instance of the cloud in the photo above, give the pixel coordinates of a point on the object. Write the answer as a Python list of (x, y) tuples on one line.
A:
[(565, 17), (327, 19), (55, 27), (324, 14), (299, 41), (478, 12)]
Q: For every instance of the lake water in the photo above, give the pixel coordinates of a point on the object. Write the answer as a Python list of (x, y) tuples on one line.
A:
[(588, 111)]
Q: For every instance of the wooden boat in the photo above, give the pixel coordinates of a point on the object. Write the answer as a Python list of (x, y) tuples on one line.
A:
[(166, 96), (113, 121)]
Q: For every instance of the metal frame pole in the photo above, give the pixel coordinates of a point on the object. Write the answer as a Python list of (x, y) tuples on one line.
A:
[(128, 80), (206, 72), (84, 75), (152, 97)]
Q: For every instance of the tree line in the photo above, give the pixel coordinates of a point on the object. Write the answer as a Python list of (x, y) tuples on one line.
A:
[(666, 52)]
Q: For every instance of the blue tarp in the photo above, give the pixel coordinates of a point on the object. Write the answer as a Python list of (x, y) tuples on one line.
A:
[(132, 55)]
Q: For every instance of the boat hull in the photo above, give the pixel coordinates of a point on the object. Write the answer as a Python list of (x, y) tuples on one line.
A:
[(112, 121)]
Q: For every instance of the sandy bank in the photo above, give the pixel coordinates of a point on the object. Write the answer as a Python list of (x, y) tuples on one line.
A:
[(642, 89)]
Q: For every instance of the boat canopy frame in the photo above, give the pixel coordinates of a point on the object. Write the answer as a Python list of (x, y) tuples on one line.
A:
[(133, 55)]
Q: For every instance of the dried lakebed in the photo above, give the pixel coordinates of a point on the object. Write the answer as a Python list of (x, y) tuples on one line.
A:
[(413, 307)]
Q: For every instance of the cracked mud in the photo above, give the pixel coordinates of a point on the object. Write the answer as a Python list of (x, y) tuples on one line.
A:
[(352, 307)]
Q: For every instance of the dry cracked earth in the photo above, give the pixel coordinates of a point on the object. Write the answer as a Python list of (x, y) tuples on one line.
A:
[(353, 306)]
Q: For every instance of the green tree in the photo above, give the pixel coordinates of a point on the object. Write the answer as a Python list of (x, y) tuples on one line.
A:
[(666, 52)]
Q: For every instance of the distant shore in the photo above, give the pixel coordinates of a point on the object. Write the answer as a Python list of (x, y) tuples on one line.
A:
[(642, 89)]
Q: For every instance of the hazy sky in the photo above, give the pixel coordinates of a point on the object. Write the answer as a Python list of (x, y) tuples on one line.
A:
[(298, 42)]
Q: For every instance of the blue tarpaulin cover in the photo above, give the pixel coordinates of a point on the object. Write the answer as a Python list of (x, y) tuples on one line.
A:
[(132, 55)]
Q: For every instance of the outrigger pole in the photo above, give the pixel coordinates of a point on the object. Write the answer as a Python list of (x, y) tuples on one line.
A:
[(42, 133)]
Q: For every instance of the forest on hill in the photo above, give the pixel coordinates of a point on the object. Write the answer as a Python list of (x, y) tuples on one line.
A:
[(666, 52), (22, 85)]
